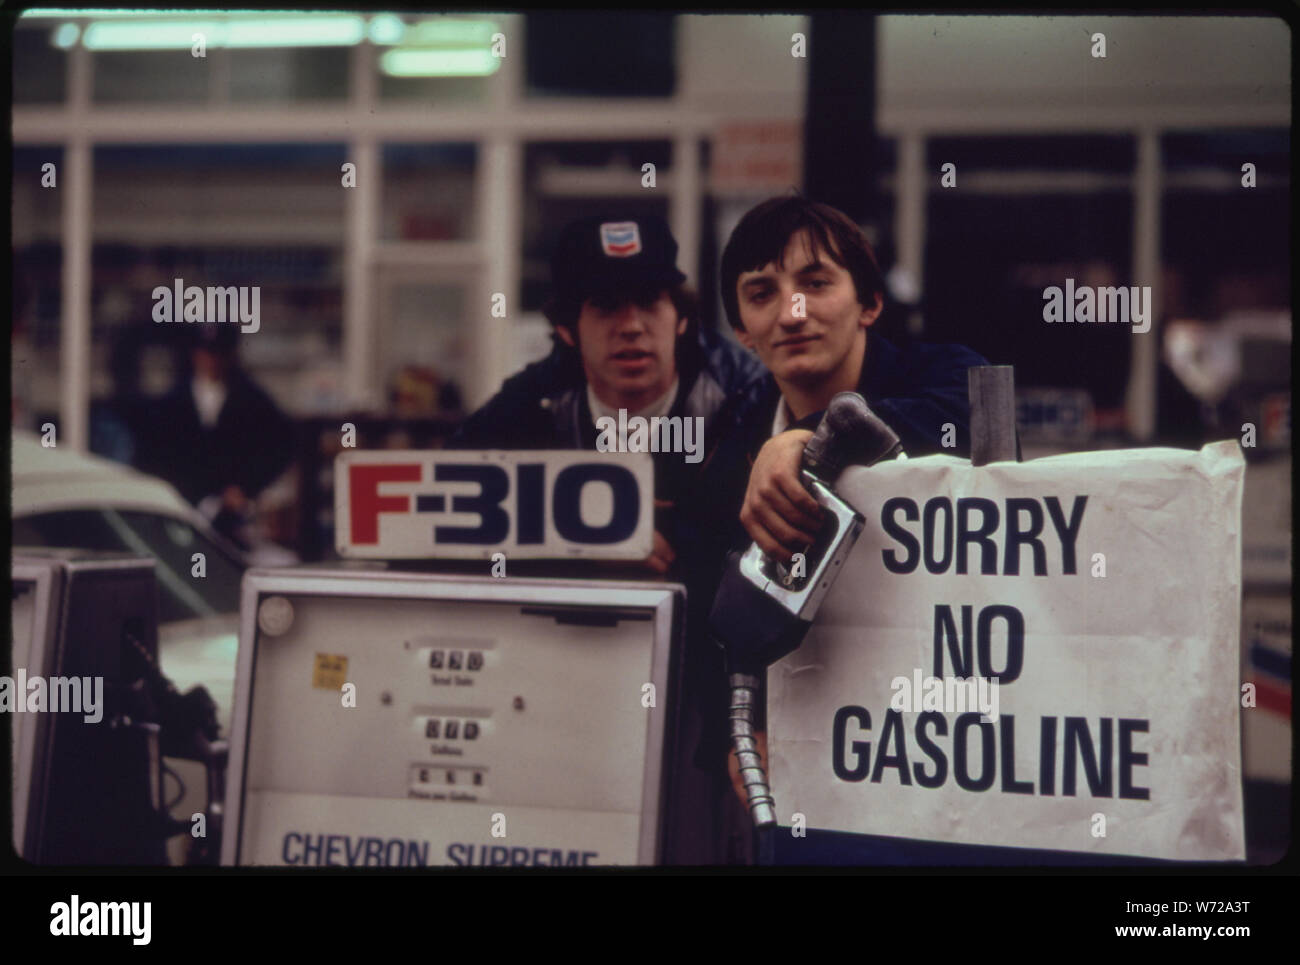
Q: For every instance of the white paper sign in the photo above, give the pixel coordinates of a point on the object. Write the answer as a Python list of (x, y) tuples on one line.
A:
[(1104, 713)]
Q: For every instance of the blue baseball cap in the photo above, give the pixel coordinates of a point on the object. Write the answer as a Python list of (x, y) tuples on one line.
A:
[(609, 255)]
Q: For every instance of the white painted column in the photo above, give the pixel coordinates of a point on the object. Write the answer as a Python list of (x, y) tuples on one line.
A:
[(360, 233), (499, 215), (500, 236), (1140, 401), (909, 206), (684, 204), (360, 229)]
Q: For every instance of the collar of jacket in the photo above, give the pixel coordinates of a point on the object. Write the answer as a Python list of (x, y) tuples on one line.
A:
[(573, 420), (881, 378), (700, 393)]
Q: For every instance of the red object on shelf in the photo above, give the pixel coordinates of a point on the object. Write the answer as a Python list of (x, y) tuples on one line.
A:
[(426, 227)]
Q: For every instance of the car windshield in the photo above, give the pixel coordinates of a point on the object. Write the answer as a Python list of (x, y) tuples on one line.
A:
[(171, 542)]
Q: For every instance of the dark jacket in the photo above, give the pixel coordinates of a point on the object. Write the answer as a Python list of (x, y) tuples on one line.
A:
[(545, 407), (250, 445), (915, 390)]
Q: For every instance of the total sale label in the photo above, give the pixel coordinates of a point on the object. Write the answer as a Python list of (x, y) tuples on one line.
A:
[(529, 504)]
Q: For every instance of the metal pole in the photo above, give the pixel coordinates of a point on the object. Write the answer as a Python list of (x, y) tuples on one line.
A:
[(992, 391), (684, 209), (1145, 361)]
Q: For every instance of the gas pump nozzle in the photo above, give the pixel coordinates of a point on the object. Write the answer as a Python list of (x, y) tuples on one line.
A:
[(763, 609)]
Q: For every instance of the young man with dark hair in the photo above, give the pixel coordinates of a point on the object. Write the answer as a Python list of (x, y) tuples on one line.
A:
[(627, 337), (802, 288)]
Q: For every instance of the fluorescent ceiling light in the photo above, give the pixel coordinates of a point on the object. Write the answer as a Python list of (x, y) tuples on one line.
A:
[(444, 32), (174, 30), (150, 35), (310, 31), (44, 12), (257, 31), (439, 63), (386, 28), (65, 36)]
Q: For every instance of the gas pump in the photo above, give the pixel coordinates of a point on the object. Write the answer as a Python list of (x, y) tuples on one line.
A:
[(421, 714), (93, 716)]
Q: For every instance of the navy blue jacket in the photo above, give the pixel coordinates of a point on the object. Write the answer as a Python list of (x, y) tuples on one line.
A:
[(545, 407), (916, 390), (251, 444)]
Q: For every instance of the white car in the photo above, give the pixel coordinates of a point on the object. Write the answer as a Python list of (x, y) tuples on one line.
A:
[(69, 499)]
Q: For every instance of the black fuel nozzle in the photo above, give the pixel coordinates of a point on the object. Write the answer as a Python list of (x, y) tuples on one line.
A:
[(763, 609), (850, 434)]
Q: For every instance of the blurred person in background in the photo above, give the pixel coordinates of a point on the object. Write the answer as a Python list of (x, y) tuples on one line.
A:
[(218, 437), (118, 421)]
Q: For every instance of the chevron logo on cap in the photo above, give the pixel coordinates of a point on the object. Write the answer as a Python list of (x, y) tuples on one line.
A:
[(620, 239)]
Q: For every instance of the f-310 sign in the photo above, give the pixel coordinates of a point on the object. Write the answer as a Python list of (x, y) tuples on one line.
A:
[(469, 505)]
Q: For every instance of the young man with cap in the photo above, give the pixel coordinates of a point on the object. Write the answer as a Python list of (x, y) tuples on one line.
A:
[(627, 337), (802, 288)]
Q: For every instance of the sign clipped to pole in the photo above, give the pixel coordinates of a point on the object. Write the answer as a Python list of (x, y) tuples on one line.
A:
[(1041, 655)]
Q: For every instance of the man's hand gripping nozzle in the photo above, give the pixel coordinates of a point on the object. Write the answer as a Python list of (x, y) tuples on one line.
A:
[(763, 609)]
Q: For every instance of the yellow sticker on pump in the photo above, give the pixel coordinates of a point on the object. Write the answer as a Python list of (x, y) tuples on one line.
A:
[(331, 671)]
